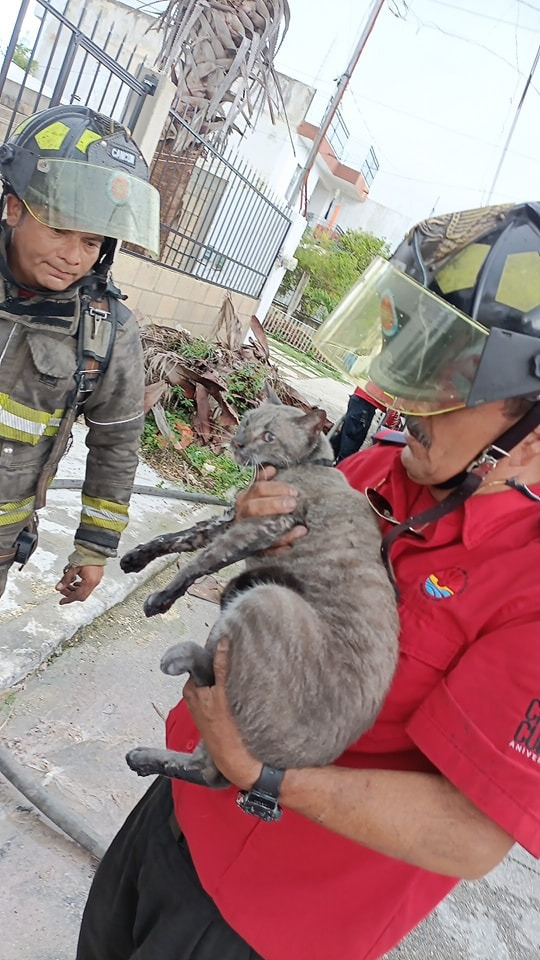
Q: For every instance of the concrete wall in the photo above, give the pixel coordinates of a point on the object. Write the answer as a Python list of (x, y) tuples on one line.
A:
[(173, 299), (378, 219)]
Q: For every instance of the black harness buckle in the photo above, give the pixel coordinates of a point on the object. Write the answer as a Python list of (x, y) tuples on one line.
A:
[(24, 546)]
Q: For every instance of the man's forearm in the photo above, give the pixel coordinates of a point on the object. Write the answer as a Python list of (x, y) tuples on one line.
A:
[(420, 818)]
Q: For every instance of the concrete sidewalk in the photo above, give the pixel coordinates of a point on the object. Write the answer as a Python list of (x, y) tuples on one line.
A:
[(32, 623)]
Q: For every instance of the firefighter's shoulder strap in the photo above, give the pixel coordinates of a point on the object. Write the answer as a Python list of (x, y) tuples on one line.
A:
[(101, 314)]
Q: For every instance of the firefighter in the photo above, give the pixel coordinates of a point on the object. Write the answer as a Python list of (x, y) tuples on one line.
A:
[(74, 183), (447, 779)]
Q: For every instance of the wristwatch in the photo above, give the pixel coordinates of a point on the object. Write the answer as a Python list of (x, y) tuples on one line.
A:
[(262, 800)]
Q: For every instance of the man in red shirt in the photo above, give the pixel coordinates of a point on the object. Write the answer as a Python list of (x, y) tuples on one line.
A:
[(448, 777), (358, 418)]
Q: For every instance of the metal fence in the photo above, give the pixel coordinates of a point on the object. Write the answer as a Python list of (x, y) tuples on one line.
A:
[(220, 221), (292, 331), (64, 65)]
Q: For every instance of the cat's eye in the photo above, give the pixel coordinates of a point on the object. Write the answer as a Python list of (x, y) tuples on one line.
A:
[(268, 437)]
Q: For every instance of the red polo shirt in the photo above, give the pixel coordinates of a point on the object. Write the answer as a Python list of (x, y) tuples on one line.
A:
[(465, 701)]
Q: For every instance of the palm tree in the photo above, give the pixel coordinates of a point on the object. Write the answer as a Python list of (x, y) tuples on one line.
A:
[(220, 55)]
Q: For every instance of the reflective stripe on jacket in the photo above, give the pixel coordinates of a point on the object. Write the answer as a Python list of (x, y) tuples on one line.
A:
[(38, 361), (18, 422)]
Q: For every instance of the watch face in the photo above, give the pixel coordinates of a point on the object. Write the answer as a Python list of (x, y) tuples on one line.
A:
[(259, 805)]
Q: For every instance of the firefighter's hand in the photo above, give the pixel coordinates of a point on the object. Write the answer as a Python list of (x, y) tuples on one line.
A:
[(78, 583), (267, 497)]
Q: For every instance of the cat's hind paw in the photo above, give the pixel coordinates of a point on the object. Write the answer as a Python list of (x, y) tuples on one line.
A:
[(146, 761)]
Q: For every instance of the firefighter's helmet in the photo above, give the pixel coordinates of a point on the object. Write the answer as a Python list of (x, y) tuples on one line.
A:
[(75, 169), (452, 320)]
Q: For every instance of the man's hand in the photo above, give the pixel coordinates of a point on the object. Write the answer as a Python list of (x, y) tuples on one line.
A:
[(210, 711), (266, 498), (78, 583)]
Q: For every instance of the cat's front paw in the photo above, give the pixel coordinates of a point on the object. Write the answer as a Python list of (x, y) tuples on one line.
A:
[(134, 560), (144, 762), (158, 602)]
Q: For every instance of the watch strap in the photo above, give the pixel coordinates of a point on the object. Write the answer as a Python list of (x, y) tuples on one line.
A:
[(262, 800), (269, 781)]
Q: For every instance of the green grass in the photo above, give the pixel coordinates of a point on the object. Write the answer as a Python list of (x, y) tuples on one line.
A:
[(223, 473), (305, 360)]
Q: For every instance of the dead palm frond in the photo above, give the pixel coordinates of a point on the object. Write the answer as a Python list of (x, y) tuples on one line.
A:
[(220, 55)]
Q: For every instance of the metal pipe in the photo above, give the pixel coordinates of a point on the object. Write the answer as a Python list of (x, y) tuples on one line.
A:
[(51, 807), (168, 493)]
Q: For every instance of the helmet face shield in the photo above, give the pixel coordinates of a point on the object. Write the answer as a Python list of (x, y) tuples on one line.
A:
[(409, 349), (91, 198)]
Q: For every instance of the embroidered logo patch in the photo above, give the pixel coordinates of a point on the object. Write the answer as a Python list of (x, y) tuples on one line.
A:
[(527, 736), (445, 583)]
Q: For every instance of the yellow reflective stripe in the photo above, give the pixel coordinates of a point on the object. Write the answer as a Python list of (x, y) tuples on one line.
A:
[(461, 273), (26, 413), (19, 422), (86, 139), (104, 513), (519, 286), (15, 511), (53, 136)]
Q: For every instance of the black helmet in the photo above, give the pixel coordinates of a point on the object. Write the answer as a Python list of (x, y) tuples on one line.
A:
[(453, 319), (75, 169)]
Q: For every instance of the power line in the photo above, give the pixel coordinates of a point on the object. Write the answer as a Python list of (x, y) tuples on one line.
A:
[(514, 123), (433, 123), (428, 25), (487, 16), (532, 6)]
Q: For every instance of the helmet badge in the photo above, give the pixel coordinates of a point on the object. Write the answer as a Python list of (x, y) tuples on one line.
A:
[(119, 188), (389, 317)]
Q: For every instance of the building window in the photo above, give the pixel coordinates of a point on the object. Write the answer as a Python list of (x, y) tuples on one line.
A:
[(338, 134), (369, 167)]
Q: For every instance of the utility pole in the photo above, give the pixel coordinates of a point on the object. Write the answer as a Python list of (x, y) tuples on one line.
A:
[(513, 127), (301, 178)]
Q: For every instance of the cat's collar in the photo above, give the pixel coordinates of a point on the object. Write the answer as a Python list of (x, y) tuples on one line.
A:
[(323, 462)]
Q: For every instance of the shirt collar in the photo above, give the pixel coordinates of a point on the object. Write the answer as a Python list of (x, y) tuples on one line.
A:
[(480, 518)]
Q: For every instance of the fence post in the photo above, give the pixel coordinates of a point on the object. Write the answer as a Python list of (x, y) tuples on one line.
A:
[(153, 112), (289, 245), (13, 42), (297, 295), (65, 70)]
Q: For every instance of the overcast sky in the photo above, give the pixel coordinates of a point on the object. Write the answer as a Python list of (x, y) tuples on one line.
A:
[(435, 92)]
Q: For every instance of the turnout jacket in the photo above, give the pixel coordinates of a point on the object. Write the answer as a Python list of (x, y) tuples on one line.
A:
[(39, 358)]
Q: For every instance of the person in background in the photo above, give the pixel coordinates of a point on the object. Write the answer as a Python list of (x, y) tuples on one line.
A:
[(74, 183), (352, 433)]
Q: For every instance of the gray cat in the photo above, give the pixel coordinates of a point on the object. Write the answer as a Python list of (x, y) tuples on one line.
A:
[(312, 631)]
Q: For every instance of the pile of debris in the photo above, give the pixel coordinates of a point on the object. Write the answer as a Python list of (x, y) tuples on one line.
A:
[(213, 381)]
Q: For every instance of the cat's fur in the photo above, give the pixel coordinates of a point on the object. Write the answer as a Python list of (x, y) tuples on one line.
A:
[(312, 631)]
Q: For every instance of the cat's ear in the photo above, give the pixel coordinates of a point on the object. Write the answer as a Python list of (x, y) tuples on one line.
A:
[(271, 394), (313, 422)]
